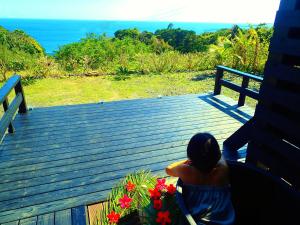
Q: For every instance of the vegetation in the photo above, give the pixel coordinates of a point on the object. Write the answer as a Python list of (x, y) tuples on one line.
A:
[(131, 51), (174, 60), (77, 90), (18, 52), (140, 194)]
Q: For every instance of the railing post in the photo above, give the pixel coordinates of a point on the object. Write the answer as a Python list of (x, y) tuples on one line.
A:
[(219, 76), (242, 97), (19, 89), (11, 128)]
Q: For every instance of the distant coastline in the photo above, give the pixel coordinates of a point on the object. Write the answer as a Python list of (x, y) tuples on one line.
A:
[(54, 33)]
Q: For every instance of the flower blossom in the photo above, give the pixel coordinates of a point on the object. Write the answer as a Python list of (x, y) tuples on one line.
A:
[(113, 217), (125, 201), (154, 193), (161, 184), (171, 189), (163, 217), (157, 204), (130, 186)]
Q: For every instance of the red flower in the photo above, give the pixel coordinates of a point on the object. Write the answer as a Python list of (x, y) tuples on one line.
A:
[(130, 186), (163, 217), (113, 217), (171, 189), (125, 201), (160, 185), (157, 204), (154, 193)]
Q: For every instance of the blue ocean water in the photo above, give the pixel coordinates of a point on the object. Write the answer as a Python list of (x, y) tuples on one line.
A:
[(54, 33)]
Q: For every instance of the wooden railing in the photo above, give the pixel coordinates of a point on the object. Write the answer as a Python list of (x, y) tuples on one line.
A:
[(10, 109), (243, 89)]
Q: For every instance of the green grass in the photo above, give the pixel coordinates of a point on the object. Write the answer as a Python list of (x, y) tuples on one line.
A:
[(78, 90)]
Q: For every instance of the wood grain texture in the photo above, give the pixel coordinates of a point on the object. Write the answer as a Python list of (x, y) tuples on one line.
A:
[(63, 157), (46, 219), (79, 216), (12, 223), (94, 211), (9, 114), (8, 86), (63, 217), (29, 221)]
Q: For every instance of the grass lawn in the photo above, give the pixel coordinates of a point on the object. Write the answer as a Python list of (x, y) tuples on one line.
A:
[(76, 90)]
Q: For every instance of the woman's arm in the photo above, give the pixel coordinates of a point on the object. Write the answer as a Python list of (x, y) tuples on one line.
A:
[(178, 169)]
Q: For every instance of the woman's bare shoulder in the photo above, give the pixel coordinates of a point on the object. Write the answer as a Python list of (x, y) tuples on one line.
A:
[(222, 172)]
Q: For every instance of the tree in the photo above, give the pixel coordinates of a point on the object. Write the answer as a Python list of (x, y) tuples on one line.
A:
[(10, 61), (127, 33), (170, 26), (182, 40), (4, 62)]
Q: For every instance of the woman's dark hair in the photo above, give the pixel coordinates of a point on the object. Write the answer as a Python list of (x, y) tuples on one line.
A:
[(204, 152)]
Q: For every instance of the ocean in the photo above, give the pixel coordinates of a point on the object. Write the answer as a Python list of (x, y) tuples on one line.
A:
[(52, 34)]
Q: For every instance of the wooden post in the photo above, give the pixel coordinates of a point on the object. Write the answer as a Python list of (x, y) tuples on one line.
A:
[(219, 76), (11, 128), (19, 89), (242, 97)]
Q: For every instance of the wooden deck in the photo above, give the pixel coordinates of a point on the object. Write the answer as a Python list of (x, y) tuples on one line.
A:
[(67, 156)]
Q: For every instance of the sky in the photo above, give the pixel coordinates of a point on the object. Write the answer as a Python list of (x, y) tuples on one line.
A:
[(226, 11)]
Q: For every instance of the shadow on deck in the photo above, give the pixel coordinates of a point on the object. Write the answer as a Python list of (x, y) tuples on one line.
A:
[(67, 156)]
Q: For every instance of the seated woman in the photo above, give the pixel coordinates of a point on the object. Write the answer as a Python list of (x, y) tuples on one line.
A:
[(203, 192)]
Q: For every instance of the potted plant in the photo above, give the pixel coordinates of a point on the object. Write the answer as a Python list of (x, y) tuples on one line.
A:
[(141, 198)]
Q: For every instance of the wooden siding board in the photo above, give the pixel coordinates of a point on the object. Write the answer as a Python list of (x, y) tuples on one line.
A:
[(290, 74), (287, 18), (288, 100), (284, 124)]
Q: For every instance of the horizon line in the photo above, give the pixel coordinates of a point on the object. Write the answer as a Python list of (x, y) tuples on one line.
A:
[(113, 20)]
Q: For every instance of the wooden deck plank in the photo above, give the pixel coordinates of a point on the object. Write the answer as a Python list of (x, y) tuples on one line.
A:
[(7, 216), (63, 217), (21, 178), (178, 152), (46, 219), (29, 221), (94, 212), (121, 133), (67, 156), (12, 223), (77, 162), (132, 135), (53, 127), (103, 183), (114, 140), (137, 110), (129, 127), (112, 105), (52, 182), (125, 128), (129, 113), (88, 123), (79, 216)]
